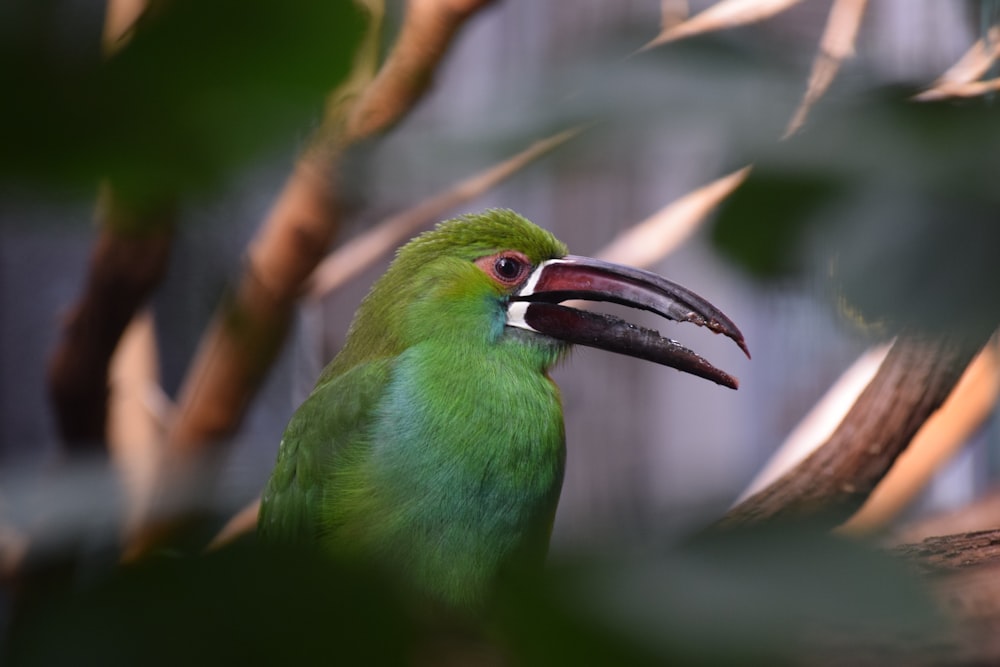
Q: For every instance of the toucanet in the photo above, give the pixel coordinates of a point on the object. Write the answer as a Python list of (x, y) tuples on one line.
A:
[(433, 443)]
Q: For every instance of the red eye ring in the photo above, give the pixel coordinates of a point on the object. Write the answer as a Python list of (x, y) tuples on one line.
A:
[(508, 268)]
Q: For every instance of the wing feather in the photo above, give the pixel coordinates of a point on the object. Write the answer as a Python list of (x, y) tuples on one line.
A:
[(328, 431)]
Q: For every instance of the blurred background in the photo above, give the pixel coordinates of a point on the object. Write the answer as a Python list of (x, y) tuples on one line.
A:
[(651, 452)]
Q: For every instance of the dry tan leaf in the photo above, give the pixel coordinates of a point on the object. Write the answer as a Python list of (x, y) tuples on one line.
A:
[(649, 241), (243, 522), (968, 407), (135, 422), (119, 18), (970, 89), (972, 65), (672, 13), (837, 45), (14, 546), (722, 16), (358, 253), (976, 61)]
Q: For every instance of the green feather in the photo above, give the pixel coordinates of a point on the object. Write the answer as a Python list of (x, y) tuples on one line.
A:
[(433, 443)]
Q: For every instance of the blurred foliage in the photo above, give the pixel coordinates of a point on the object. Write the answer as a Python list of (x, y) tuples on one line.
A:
[(238, 606), (767, 596), (895, 201), (198, 89)]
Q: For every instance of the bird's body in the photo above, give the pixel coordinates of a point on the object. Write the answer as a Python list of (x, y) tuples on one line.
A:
[(433, 444)]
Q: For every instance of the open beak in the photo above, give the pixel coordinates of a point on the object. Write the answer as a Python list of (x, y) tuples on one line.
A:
[(535, 307)]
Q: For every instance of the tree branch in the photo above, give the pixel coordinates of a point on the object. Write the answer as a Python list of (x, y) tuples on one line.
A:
[(834, 481), (124, 269), (428, 30), (248, 329), (963, 572), (127, 263)]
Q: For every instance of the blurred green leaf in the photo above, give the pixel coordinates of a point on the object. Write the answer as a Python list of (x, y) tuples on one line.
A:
[(764, 228), (200, 88), (766, 596), (238, 606), (893, 200)]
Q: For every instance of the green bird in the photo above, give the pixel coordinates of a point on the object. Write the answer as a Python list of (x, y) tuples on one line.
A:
[(433, 444)]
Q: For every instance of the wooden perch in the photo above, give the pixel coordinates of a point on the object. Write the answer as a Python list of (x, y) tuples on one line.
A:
[(836, 479)]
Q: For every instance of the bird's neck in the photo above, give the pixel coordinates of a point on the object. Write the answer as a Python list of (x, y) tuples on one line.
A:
[(490, 406), (475, 438)]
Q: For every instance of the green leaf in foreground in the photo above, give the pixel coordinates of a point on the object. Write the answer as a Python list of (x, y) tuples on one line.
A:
[(198, 89), (895, 201)]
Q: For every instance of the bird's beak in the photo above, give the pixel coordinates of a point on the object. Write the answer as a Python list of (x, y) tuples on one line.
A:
[(535, 307)]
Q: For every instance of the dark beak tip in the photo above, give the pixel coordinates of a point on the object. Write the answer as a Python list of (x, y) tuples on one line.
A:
[(730, 331), (723, 379)]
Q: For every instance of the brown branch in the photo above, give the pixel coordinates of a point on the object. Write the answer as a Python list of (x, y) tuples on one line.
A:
[(428, 30), (833, 482), (127, 263), (248, 330), (124, 269), (949, 553), (940, 438), (963, 573)]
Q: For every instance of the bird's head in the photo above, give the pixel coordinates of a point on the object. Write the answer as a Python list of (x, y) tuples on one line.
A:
[(495, 275)]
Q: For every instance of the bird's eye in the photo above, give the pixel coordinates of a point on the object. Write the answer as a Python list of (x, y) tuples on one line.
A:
[(508, 268)]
